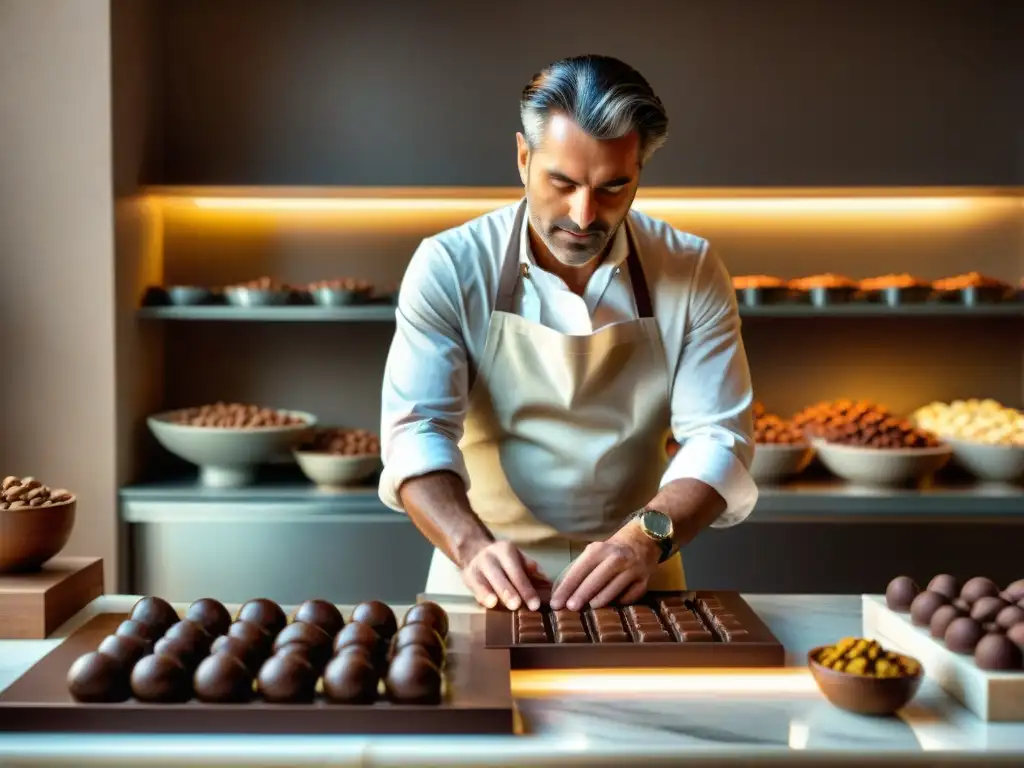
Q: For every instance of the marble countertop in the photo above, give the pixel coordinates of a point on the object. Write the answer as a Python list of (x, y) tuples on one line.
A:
[(631, 720)]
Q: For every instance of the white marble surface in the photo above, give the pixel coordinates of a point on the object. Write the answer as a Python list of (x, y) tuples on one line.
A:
[(702, 720)]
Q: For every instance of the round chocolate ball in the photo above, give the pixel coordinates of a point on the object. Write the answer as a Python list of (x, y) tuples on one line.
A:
[(249, 654), (357, 633), (979, 587), (322, 614), (1010, 616), (423, 636), (412, 679), (161, 679), (190, 632), (1014, 591), (211, 615), (997, 652), (137, 630), (287, 678), (378, 617), (265, 614), (156, 613), (924, 607), (963, 634), (1015, 635), (986, 609), (942, 618), (945, 584), (98, 678), (431, 614), (315, 639), (351, 679), (901, 593), (184, 652), (251, 634), (125, 650), (222, 679)]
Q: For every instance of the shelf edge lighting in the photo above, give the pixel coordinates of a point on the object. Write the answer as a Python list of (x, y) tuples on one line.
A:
[(793, 205)]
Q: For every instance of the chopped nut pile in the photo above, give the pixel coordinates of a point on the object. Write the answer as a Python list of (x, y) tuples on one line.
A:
[(859, 656), (234, 416)]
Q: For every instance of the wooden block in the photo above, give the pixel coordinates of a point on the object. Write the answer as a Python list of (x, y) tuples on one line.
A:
[(34, 605), (992, 696)]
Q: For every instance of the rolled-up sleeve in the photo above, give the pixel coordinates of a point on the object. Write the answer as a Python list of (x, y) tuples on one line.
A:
[(423, 400), (712, 396)]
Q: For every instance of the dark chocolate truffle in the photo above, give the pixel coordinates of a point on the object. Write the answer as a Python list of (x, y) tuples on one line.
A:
[(161, 679), (190, 632), (97, 677), (136, 629), (945, 584), (251, 634), (356, 636), (351, 679), (1014, 591), (942, 618), (412, 679), (124, 649), (997, 652), (377, 616), (222, 679), (211, 615), (901, 593), (924, 606), (429, 613), (315, 639), (977, 588), (1009, 616), (187, 654), (963, 635), (986, 609), (251, 655), (1015, 635), (322, 614), (265, 614), (423, 636), (287, 678), (156, 613)]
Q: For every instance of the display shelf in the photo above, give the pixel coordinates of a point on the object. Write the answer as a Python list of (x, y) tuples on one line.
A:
[(386, 312), (292, 500)]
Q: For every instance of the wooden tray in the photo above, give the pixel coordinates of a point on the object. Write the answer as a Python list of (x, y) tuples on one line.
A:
[(479, 699), (992, 696), (757, 648)]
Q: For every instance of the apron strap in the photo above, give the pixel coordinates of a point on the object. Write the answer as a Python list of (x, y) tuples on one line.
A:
[(510, 269)]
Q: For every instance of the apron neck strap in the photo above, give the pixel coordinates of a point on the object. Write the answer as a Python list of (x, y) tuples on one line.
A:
[(510, 270)]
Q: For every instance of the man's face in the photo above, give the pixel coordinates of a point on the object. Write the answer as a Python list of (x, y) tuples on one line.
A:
[(579, 188)]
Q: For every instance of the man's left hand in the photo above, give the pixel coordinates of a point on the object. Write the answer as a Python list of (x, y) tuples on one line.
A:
[(618, 568)]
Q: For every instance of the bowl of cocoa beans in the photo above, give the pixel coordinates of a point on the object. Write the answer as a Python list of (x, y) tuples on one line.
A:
[(781, 451), (35, 523), (335, 458), (229, 441)]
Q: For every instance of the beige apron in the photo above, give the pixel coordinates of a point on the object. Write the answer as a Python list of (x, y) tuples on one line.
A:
[(564, 435)]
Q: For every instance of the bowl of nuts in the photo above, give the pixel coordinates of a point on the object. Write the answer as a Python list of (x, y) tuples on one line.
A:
[(35, 523), (336, 458), (860, 676), (781, 450), (340, 293), (986, 437), (227, 441), (261, 292)]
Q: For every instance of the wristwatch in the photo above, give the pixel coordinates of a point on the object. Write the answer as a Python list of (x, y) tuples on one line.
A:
[(657, 526)]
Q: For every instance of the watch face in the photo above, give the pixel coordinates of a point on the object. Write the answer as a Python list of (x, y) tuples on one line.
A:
[(657, 523)]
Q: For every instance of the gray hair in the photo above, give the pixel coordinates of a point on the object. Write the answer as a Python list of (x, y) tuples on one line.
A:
[(605, 97)]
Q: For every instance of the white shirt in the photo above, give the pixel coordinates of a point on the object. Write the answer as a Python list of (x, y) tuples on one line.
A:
[(445, 304)]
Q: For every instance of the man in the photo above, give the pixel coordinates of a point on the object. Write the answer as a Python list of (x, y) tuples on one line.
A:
[(543, 352)]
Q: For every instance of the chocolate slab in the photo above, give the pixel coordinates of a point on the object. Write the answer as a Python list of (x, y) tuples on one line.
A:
[(478, 699), (665, 629)]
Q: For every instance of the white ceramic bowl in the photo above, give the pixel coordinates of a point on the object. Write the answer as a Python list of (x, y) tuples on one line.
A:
[(884, 467), (996, 463), (227, 458), (774, 463), (332, 472)]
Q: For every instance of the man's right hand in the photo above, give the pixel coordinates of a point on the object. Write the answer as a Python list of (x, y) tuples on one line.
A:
[(499, 572)]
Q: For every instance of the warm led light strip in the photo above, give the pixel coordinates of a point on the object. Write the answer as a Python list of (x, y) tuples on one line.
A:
[(660, 681), (797, 205)]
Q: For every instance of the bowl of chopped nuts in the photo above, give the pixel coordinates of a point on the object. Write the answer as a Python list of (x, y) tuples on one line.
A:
[(858, 675), (35, 523), (781, 449), (337, 458)]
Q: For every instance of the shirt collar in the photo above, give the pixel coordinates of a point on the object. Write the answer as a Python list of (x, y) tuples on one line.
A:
[(616, 255)]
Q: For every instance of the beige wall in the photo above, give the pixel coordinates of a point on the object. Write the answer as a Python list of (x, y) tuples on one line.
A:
[(57, 393)]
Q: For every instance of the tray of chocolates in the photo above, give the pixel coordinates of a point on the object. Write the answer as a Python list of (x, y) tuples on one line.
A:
[(665, 629), (968, 635), (259, 670)]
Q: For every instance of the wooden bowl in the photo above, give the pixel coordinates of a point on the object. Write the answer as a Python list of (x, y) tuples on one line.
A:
[(861, 694), (30, 536)]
